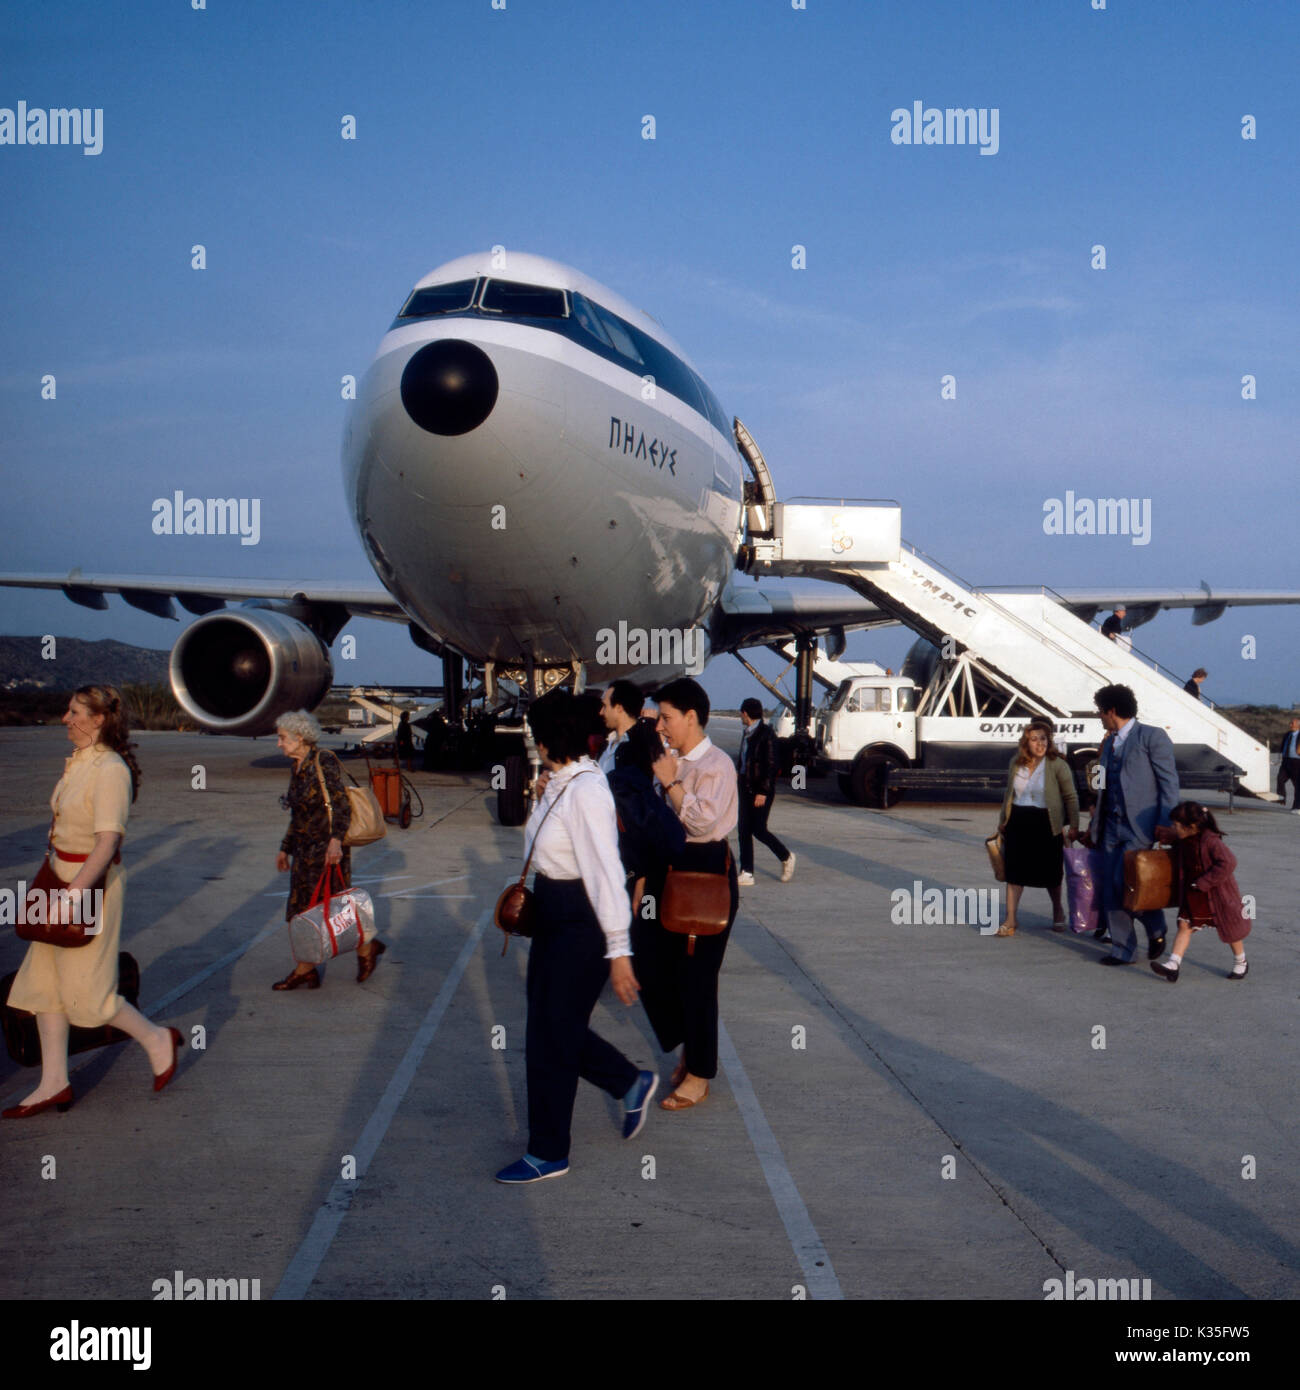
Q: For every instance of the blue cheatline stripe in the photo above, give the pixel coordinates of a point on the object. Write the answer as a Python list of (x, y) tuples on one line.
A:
[(671, 374), (818, 1272), (297, 1278)]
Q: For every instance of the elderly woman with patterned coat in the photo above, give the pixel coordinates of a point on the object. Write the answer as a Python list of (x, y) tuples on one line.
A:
[(320, 815), (63, 986)]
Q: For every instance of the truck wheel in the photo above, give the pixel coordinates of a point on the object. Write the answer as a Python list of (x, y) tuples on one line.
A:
[(868, 780), (512, 803)]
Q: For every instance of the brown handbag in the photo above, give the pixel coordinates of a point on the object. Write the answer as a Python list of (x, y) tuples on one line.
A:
[(68, 934), (996, 846), (366, 824), (697, 904), (1150, 880), (514, 911)]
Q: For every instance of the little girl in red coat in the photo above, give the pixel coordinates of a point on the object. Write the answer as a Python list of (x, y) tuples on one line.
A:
[(1208, 893)]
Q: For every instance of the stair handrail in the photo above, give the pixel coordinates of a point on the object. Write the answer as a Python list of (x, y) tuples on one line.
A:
[(1145, 656)]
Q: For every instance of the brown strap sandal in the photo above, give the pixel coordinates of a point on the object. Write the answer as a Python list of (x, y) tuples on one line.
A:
[(680, 1102)]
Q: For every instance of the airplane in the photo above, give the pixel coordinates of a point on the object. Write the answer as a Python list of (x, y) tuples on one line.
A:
[(534, 469)]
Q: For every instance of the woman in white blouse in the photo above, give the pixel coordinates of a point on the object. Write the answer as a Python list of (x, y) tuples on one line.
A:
[(580, 940), (1040, 799)]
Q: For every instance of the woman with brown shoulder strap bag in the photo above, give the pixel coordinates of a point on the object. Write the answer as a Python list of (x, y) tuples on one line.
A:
[(679, 949), (579, 928), (72, 980)]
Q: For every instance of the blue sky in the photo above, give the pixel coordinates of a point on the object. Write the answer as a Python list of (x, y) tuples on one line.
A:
[(523, 127)]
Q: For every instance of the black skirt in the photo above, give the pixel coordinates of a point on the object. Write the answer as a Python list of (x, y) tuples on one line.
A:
[(1034, 856)]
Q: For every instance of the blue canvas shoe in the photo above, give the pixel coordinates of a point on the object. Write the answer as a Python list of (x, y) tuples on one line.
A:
[(636, 1104), (533, 1170)]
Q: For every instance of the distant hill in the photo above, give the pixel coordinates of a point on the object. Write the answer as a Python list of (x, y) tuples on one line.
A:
[(76, 663)]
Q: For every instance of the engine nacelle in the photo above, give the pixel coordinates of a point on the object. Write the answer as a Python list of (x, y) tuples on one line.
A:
[(236, 671)]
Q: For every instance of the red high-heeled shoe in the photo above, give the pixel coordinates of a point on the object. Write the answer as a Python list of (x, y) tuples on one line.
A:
[(163, 1078), (62, 1102)]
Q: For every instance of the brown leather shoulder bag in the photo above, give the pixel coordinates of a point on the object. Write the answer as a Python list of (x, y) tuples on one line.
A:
[(513, 912)]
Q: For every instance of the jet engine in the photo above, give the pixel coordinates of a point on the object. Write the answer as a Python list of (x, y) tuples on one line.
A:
[(236, 671)]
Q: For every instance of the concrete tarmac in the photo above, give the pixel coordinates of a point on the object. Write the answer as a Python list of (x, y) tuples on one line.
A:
[(904, 1110)]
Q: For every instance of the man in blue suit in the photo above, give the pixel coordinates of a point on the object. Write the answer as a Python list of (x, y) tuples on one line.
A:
[(1139, 789)]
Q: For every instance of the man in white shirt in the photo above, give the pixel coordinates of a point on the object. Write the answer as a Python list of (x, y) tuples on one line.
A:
[(620, 708)]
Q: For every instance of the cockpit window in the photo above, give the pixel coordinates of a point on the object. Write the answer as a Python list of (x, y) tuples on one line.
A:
[(523, 301), (439, 299), (619, 336), (585, 313)]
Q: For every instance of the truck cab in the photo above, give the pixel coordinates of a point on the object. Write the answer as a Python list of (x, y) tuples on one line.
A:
[(867, 726)]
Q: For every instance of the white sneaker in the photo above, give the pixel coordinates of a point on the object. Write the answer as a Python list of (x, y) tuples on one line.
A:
[(787, 869), (746, 880), (1295, 813)]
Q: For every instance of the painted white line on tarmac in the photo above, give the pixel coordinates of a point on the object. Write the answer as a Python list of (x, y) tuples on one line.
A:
[(818, 1273), (297, 1278), (419, 887)]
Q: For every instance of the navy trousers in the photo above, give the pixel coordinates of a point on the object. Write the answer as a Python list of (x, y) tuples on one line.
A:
[(567, 970), (1289, 771), (751, 826), (680, 991)]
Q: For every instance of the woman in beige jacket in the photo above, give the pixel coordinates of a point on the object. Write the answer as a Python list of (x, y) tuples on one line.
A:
[(1040, 799)]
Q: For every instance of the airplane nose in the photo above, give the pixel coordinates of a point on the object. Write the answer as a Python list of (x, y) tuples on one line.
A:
[(449, 387)]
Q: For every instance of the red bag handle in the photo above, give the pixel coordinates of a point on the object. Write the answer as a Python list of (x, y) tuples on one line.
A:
[(324, 882)]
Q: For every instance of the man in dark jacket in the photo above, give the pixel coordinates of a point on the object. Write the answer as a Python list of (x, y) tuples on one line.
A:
[(758, 764)]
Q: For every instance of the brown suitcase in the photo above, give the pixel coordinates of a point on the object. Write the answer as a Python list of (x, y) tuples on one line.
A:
[(1150, 880)]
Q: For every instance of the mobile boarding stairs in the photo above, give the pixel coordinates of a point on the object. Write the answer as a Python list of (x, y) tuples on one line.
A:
[(1025, 644)]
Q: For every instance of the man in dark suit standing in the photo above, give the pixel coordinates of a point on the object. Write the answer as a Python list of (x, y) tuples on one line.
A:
[(1193, 685), (1139, 789), (1289, 768), (758, 763)]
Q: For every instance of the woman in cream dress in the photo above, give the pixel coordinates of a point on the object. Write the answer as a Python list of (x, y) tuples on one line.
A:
[(63, 986)]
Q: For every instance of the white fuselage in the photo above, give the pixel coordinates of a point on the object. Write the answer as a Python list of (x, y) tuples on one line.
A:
[(586, 497)]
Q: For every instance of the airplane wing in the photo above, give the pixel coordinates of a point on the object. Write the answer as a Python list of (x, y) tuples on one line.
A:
[(746, 615), (153, 593), (755, 615), (1143, 604), (766, 612)]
